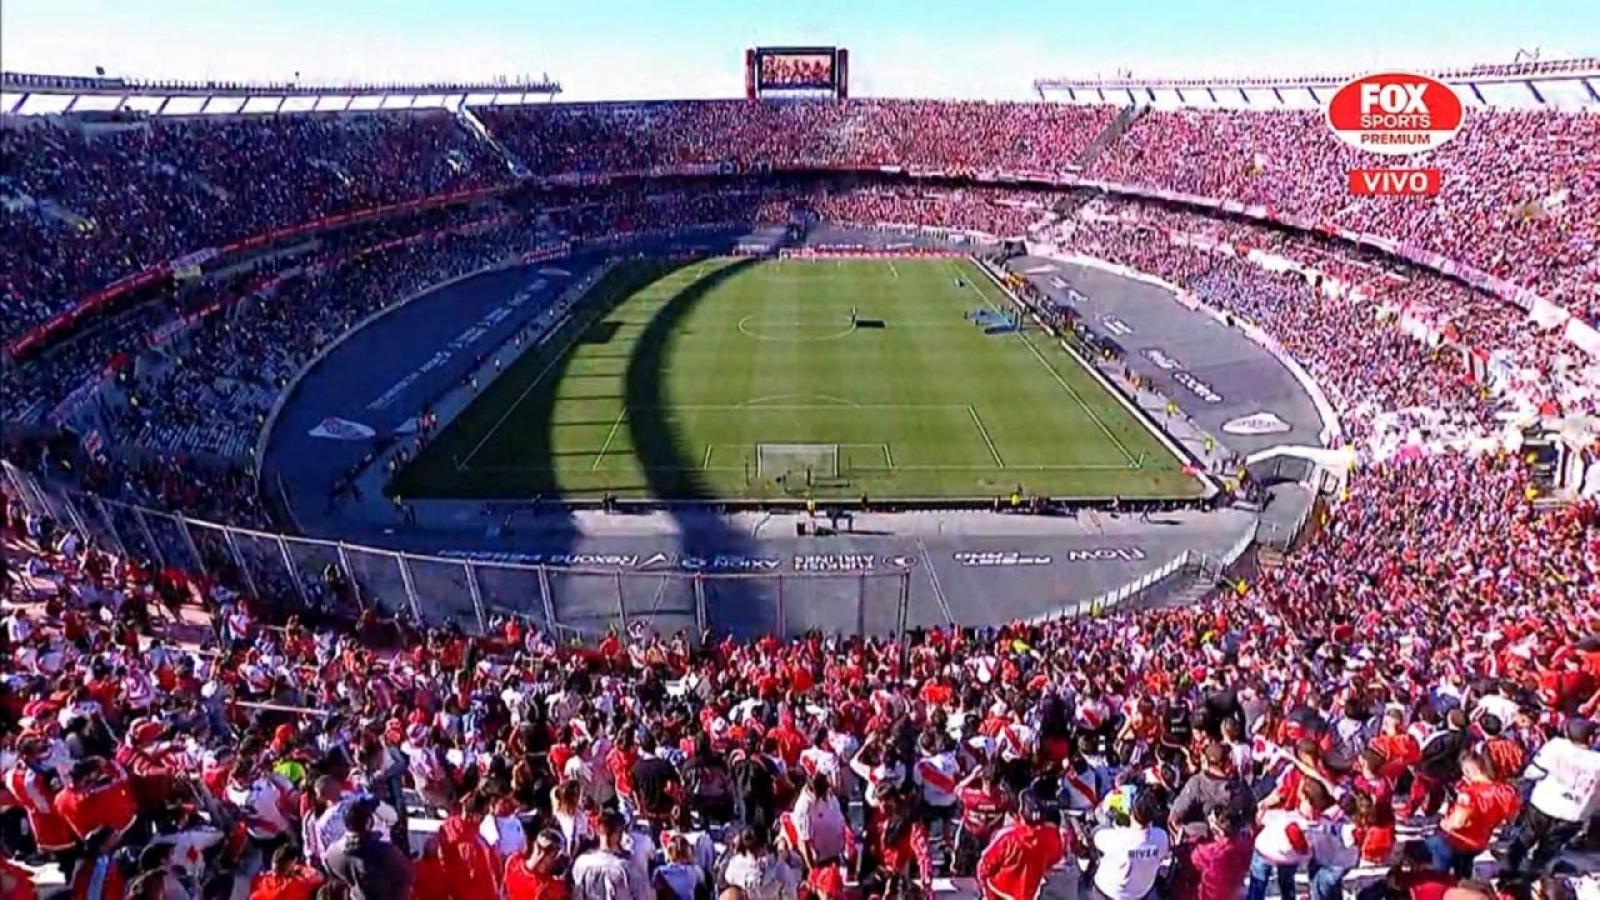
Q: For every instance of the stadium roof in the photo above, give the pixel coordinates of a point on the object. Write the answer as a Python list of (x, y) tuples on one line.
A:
[(29, 94), (1565, 83)]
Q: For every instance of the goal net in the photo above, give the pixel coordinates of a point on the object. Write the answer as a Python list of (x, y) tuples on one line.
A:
[(797, 461)]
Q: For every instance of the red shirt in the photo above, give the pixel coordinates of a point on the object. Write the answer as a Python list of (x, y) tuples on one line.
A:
[(1213, 869), (982, 810), (32, 791), (110, 805), (429, 879), (301, 884), (20, 879), (1507, 756), (1479, 808), (523, 883), (472, 865), (620, 765), (1014, 864)]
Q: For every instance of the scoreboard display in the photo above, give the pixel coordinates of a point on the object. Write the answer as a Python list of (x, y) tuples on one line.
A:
[(796, 71)]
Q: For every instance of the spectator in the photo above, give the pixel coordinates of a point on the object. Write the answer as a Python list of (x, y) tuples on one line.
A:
[(1215, 786), (1017, 859), (472, 866), (1564, 801), (288, 879), (1130, 856), (1481, 805), (757, 872), (1216, 866), (368, 866), (539, 873), (608, 872)]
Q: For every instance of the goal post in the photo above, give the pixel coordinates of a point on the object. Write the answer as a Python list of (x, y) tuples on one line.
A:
[(817, 461)]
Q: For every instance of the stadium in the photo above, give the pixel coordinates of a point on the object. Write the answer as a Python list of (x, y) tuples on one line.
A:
[(423, 464)]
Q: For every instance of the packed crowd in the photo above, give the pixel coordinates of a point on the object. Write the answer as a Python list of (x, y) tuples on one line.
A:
[(1373, 301), (87, 205), (208, 391), (1413, 687), (794, 70), (1520, 197), (951, 136), (178, 420)]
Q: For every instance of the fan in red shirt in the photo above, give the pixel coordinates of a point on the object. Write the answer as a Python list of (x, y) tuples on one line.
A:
[(1014, 864), (1481, 805), (99, 797), (429, 876), (984, 804), (539, 872), (620, 762), (1506, 757), (289, 879), (1400, 750), (150, 776), (898, 841), (33, 783), (473, 866)]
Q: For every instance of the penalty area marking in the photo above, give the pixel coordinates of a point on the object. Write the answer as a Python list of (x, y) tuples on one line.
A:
[(827, 399), (848, 329)]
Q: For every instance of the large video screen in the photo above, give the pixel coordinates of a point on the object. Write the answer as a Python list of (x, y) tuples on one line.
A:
[(808, 68)]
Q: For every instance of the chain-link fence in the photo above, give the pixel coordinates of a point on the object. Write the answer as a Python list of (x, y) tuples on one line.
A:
[(335, 579)]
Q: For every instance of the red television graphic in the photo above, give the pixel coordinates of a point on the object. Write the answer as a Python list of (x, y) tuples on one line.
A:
[(1395, 114), (1395, 182)]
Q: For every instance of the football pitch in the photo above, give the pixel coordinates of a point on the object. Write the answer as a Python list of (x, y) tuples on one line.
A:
[(741, 379)]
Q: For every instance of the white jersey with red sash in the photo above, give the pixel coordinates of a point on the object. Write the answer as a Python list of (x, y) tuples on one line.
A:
[(32, 790)]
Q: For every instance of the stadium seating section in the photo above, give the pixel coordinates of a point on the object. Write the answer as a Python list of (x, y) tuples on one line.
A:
[(1434, 614)]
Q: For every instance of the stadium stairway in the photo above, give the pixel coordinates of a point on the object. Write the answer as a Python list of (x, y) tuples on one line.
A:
[(1114, 129), (475, 125)]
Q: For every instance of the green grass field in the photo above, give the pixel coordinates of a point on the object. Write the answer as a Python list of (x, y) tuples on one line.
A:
[(671, 375)]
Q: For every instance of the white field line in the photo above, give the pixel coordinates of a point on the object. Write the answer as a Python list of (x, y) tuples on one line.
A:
[(706, 463), (762, 402), (898, 467), (743, 407), (887, 456), (556, 358), (986, 439), (973, 283), (621, 414), (892, 270), (462, 466)]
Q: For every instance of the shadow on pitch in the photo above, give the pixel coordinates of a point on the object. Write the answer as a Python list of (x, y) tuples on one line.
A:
[(740, 606)]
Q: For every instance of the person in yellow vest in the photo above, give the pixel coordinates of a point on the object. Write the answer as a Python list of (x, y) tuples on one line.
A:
[(811, 506)]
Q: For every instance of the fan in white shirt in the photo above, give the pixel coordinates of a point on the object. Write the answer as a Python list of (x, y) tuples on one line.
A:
[(1131, 856)]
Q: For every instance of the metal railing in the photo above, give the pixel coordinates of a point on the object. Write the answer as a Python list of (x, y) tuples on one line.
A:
[(335, 579), (1187, 561)]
